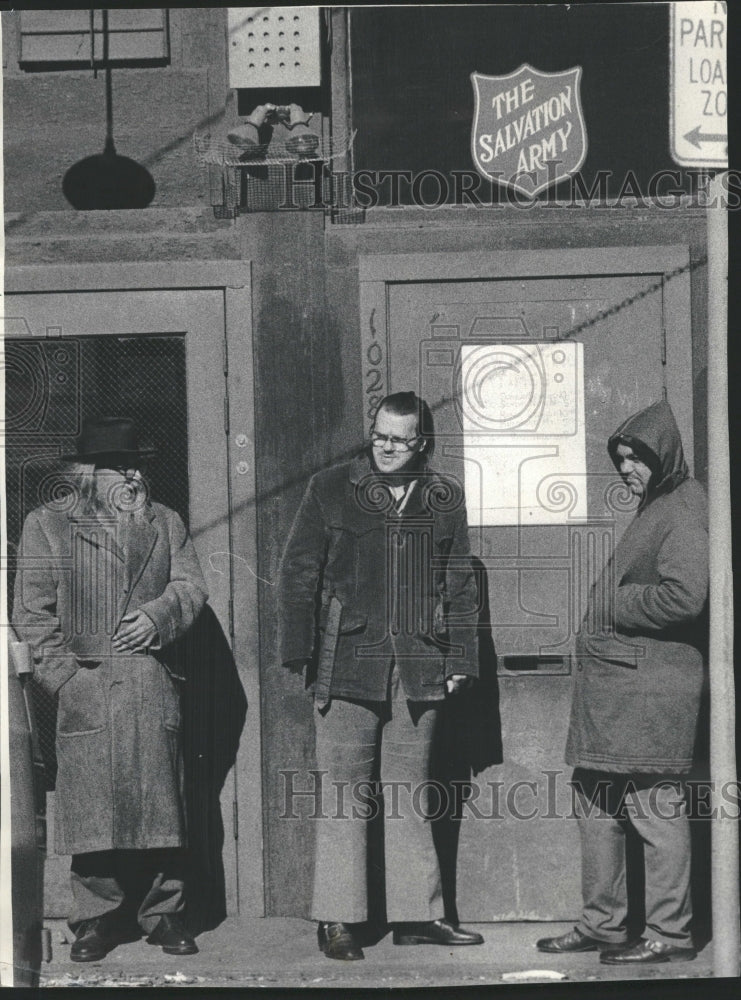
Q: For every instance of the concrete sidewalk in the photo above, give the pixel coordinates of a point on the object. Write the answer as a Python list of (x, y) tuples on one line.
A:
[(282, 952)]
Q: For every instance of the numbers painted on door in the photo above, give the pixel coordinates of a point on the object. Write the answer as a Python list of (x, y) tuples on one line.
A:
[(374, 370)]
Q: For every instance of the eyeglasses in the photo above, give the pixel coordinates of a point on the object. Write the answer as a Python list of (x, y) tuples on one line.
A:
[(397, 443)]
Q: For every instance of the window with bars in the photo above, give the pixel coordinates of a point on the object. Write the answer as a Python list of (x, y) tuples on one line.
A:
[(59, 39)]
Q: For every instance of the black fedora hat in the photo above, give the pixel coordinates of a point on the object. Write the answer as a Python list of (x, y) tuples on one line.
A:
[(108, 436)]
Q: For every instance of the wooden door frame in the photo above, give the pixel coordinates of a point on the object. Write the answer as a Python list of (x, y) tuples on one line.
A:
[(235, 279), (669, 264)]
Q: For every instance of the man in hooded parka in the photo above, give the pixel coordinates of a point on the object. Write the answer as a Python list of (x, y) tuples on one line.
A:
[(639, 679)]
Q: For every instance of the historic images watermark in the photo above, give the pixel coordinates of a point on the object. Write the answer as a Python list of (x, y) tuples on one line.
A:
[(435, 189), (550, 795)]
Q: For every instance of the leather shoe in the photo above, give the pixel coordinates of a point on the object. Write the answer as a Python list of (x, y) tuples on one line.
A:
[(93, 940), (649, 953), (574, 941), (434, 932), (172, 937), (336, 941)]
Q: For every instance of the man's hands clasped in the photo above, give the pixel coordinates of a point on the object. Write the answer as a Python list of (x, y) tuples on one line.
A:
[(136, 633)]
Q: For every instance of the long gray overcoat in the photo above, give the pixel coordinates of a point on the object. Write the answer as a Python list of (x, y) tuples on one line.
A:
[(640, 670), (120, 769)]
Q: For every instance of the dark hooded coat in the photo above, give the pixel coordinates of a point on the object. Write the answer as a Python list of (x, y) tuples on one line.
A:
[(120, 767), (640, 660)]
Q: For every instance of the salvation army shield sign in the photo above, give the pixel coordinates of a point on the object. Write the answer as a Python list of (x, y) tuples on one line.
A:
[(528, 127)]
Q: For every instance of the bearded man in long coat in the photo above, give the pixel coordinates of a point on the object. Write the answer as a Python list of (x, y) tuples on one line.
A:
[(634, 719), (106, 581)]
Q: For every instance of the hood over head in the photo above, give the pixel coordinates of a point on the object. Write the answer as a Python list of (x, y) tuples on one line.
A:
[(654, 435)]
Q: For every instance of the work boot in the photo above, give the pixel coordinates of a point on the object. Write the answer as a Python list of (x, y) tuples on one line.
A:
[(172, 937), (94, 939), (336, 941)]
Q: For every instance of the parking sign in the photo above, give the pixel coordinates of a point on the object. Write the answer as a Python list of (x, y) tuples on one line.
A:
[(699, 94)]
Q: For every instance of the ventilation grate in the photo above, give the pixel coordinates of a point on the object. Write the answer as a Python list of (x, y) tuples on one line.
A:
[(274, 47)]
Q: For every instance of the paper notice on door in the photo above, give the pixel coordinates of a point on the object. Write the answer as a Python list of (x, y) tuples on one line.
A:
[(522, 412)]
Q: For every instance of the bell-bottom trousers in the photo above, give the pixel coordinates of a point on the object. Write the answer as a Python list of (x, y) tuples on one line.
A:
[(357, 742)]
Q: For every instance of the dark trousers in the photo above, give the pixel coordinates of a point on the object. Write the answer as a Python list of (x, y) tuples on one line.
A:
[(352, 739), (143, 884), (656, 808)]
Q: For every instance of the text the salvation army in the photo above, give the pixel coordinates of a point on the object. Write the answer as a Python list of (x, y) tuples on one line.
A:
[(534, 120)]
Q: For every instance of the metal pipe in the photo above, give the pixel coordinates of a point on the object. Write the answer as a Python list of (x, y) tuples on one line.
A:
[(110, 148), (724, 859)]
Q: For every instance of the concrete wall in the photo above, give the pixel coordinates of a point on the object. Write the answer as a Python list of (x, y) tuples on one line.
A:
[(53, 119)]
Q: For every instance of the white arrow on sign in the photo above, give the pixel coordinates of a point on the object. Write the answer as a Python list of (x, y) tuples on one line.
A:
[(696, 137), (699, 99)]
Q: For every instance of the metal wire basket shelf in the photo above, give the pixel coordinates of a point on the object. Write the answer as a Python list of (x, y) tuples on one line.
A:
[(281, 149)]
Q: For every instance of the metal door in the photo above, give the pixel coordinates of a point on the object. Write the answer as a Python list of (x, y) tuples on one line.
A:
[(526, 380), (159, 356)]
